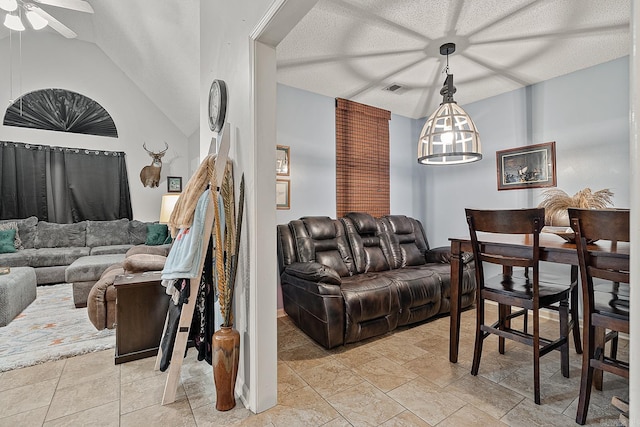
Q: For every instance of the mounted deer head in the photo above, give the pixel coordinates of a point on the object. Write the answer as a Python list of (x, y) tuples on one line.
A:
[(150, 175)]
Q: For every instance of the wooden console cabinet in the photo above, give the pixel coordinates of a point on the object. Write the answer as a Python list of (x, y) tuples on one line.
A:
[(141, 310)]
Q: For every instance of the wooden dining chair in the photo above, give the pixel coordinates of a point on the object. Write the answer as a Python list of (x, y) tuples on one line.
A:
[(526, 293), (605, 293)]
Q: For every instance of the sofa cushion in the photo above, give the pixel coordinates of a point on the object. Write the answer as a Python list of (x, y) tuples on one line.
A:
[(7, 238), (143, 262), (12, 225), (364, 222), (89, 268), (104, 233), (111, 249), (46, 257), (52, 235), (26, 230), (153, 250), (137, 232), (156, 234), (323, 240), (370, 252), (17, 259)]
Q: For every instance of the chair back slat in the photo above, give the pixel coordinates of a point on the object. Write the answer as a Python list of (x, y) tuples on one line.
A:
[(602, 224), (507, 261), (509, 221)]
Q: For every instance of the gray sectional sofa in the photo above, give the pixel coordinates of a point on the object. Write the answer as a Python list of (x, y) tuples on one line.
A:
[(50, 248)]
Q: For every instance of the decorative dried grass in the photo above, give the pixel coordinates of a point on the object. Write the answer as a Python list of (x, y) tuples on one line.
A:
[(556, 202), (227, 243)]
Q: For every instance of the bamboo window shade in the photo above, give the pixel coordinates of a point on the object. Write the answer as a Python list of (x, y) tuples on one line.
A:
[(362, 159)]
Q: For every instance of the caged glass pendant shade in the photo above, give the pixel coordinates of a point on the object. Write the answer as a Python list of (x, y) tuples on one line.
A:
[(449, 136)]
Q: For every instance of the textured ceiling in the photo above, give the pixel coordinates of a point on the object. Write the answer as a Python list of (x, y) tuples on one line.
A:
[(355, 48)]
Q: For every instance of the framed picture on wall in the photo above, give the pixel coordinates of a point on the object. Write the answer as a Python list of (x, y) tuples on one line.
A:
[(283, 194), (282, 160), (174, 184), (531, 166)]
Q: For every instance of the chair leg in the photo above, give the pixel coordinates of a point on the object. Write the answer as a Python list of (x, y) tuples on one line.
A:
[(599, 341), (477, 350), (536, 357), (503, 312), (564, 333), (614, 346), (575, 316), (586, 379)]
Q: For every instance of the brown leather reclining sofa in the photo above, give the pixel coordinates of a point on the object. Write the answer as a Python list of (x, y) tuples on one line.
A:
[(348, 279)]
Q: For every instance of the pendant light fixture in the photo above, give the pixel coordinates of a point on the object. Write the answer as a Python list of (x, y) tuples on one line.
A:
[(449, 136)]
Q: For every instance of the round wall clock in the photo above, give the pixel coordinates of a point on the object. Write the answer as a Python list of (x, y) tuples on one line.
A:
[(217, 105)]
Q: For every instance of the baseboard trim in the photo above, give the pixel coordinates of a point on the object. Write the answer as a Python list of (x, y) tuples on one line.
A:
[(281, 313)]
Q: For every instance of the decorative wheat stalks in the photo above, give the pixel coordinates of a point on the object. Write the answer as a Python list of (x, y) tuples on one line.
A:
[(227, 243), (556, 202)]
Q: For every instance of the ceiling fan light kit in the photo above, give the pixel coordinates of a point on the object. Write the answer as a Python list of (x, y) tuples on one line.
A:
[(37, 17), (13, 22), (36, 21), (449, 136), (8, 5)]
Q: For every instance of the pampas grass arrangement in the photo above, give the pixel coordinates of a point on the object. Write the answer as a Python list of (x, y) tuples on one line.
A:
[(227, 242), (556, 202)]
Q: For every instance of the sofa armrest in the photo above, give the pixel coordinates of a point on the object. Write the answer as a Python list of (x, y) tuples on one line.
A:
[(442, 255), (313, 272)]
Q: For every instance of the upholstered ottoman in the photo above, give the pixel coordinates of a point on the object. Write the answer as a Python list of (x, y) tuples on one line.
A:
[(84, 272), (17, 291)]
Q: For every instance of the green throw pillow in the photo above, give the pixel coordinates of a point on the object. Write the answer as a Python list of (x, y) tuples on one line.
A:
[(6, 241), (156, 234)]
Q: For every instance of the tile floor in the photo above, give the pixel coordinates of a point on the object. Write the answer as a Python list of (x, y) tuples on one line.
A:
[(399, 379)]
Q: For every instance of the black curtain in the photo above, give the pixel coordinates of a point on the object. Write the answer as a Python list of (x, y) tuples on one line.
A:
[(23, 187), (69, 185)]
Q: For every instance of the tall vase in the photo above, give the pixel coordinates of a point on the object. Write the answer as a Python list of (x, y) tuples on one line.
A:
[(225, 356)]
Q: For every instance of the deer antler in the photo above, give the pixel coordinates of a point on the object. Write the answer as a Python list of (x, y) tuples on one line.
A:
[(153, 153)]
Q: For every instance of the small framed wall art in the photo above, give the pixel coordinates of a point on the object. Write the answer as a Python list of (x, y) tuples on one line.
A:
[(531, 166), (174, 184), (282, 160), (283, 194)]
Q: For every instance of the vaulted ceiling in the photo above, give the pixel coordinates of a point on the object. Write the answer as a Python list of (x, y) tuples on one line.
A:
[(356, 48)]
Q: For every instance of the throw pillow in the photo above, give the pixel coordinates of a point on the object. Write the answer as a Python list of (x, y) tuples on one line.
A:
[(7, 238), (12, 225), (156, 234)]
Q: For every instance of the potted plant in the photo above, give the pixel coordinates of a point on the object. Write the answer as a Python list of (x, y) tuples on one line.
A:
[(556, 202)]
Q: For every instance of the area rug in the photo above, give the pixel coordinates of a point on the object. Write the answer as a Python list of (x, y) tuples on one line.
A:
[(50, 328)]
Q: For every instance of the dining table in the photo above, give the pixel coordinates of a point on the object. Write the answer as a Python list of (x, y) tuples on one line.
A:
[(554, 248)]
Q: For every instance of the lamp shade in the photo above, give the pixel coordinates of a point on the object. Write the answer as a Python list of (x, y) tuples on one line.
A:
[(13, 22), (166, 208), (449, 137), (36, 21)]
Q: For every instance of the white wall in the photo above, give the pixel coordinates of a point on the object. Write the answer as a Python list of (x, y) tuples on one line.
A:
[(585, 112), (50, 61), (306, 123), (227, 53)]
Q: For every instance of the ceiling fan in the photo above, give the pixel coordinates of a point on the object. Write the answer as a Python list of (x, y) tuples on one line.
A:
[(37, 17)]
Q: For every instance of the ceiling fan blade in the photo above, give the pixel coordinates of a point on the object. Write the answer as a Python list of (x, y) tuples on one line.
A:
[(55, 24), (79, 5)]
